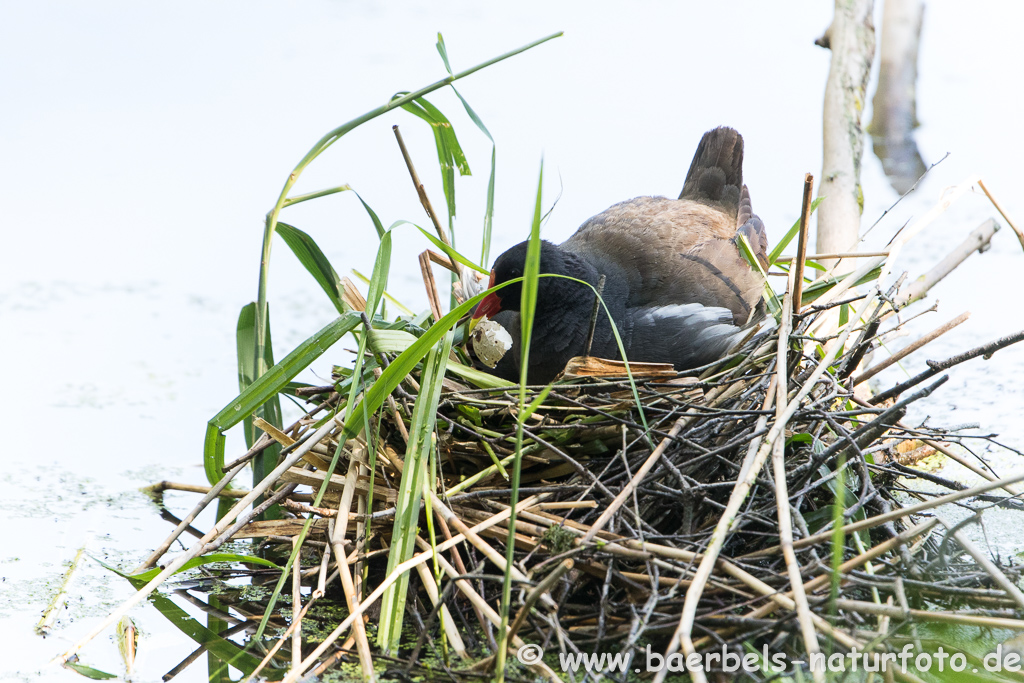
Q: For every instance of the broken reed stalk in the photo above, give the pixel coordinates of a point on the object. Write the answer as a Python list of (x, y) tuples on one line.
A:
[(42, 628), (421, 191), (801, 246), (433, 297), (978, 240)]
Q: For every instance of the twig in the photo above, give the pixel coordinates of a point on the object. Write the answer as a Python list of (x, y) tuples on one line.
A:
[(910, 348), (1017, 231), (935, 368)]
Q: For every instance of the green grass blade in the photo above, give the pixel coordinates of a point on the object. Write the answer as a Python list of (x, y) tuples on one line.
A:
[(213, 455), (374, 397), (314, 261), (527, 311), (373, 216), (772, 299), (265, 389), (89, 672), (270, 410), (410, 492), (838, 535), (485, 244), (298, 199), (821, 286), (387, 297), (275, 379), (788, 237), (147, 576), (379, 277)]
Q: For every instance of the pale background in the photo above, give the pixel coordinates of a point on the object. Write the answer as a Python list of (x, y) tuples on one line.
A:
[(141, 145)]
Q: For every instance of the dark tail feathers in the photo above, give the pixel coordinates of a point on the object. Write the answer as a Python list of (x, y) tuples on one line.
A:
[(716, 173)]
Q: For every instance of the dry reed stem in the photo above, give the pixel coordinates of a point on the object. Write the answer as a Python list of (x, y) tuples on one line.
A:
[(541, 589), (949, 196), (337, 536), (978, 240), (424, 199), (823, 580), (862, 607), (211, 494), (1012, 490), (431, 286), (797, 284), (836, 255), (42, 628), (803, 610)]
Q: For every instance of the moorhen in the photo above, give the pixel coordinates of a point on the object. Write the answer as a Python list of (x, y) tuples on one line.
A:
[(676, 283)]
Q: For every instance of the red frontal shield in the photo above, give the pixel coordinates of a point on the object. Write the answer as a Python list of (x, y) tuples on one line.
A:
[(490, 305)]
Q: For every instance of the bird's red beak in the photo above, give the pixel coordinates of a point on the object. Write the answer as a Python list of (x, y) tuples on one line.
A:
[(490, 305)]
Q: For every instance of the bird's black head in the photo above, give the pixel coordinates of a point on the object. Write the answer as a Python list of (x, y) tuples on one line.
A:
[(553, 260)]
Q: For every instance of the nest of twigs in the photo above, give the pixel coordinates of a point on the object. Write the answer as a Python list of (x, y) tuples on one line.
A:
[(625, 531), (765, 504)]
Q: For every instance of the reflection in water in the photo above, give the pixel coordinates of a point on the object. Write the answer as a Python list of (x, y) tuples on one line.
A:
[(895, 103)]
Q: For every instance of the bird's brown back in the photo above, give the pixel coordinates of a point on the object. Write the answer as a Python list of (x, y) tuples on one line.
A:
[(673, 251)]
